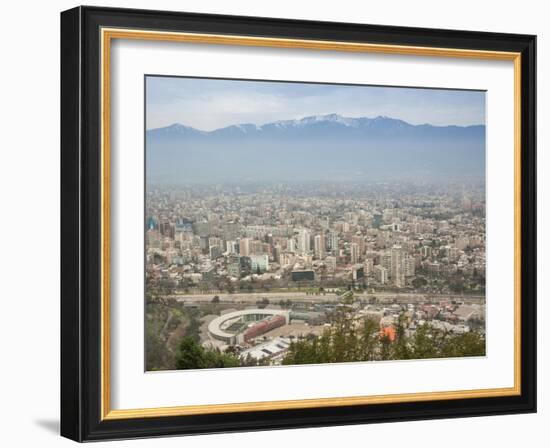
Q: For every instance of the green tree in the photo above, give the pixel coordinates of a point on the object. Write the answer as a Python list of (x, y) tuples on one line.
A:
[(347, 341), (427, 342), (262, 303), (369, 340), (191, 355), (466, 344), (419, 282), (401, 344), (386, 351)]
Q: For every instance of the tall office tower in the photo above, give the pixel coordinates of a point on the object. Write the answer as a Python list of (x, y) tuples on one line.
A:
[(354, 251), (244, 247), (291, 245), (397, 266), (304, 244), (152, 223), (319, 246), (333, 242)]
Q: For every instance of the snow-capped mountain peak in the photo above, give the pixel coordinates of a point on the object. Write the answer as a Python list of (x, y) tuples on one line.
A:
[(314, 119), (327, 146), (315, 123)]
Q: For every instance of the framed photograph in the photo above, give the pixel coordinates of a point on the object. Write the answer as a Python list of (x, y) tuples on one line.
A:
[(273, 223)]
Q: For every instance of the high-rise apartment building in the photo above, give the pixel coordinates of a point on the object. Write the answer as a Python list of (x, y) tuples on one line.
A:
[(319, 246), (397, 266), (259, 263), (333, 242), (381, 274), (291, 245), (304, 243), (409, 266), (354, 253)]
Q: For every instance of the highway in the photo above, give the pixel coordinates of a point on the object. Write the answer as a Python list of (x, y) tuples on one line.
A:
[(275, 297)]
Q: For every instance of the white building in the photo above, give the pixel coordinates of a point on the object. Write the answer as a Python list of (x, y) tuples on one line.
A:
[(397, 266), (333, 242), (319, 246), (259, 262), (381, 274), (304, 243), (409, 266)]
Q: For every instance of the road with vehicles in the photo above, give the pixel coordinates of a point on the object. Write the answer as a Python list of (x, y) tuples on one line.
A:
[(276, 297)]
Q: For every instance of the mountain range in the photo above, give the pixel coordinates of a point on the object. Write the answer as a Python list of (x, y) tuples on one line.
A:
[(320, 147)]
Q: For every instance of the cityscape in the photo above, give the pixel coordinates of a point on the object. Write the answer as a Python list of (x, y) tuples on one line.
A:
[(244, 272)]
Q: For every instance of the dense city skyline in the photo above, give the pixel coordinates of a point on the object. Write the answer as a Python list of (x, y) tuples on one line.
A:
[(291, 256), (290, 223)]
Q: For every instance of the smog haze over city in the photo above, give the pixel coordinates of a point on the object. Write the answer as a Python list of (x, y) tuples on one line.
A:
[(300, 223)]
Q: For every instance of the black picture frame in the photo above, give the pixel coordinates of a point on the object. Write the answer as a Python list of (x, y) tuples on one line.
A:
[(81, 224)]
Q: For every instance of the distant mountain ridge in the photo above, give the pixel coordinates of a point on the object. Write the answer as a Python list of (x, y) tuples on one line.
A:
[(316, 147), (379, 122)]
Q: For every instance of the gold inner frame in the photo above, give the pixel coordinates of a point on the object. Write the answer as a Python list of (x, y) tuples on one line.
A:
[(107, 35)]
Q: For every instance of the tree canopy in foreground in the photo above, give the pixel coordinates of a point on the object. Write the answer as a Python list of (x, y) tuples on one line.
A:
[(346, 340)]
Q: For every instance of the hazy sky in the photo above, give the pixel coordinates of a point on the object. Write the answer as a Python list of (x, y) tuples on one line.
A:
[(209, 104)]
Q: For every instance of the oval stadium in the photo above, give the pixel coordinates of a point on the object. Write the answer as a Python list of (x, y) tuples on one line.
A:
[(241, 326)]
